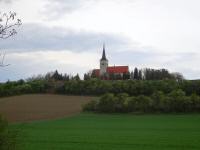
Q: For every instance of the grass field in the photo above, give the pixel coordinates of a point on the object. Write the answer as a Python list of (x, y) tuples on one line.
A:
[(112, 132)]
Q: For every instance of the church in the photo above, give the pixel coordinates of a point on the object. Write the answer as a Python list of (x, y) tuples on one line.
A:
[(108, 72)]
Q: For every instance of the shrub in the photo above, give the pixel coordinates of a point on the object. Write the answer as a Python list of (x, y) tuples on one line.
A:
[(176, 101), (195, 102), (106, 103), (7, 139), (158, 101), (120, 103), (144, 103), (90, 106)]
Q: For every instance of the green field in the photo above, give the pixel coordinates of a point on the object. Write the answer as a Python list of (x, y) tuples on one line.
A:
[(112, 132)]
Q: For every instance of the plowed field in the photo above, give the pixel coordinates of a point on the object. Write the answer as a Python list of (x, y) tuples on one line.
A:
[(40, 107)]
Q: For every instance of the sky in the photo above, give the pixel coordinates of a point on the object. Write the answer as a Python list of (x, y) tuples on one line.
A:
[(68, 35)]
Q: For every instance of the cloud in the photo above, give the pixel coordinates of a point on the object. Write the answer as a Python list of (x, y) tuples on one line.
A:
[(33, 37), (182, 62), (57, 8), (6, 1), (27, 64)]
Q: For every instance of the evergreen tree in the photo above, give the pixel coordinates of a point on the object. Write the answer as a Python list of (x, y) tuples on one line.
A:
[(57, 76), (66, 77), (93, 75), (136, 74), (77, 78), (132, 75), (86, 76), (140, 75)]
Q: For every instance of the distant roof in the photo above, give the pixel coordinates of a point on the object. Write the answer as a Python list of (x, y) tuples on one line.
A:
[(117, 69), (113, 69)]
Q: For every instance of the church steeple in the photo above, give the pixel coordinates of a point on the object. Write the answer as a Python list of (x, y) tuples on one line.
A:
[(104, 53), (103, 63)]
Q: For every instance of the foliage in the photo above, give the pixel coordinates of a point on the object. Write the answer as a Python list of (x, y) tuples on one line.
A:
[(7, 138), (176, 101), (90, 106), (141, 74), (52, 83), (8, 24)]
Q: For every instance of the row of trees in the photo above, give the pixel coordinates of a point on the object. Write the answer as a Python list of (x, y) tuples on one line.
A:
[(54, 76), (140, 74), (75, 86), (158, 102)]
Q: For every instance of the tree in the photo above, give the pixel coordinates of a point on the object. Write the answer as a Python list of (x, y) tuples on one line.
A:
[(177, 76), (86, 76), (132, 75), (56, 76), (106, 103), (8, 23), (76, 77), (136, 74), (140, 75)]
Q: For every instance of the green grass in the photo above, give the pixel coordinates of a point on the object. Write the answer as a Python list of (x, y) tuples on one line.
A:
[(112, 132)]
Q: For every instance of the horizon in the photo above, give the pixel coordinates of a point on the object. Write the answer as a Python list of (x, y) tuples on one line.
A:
[(68, 35)]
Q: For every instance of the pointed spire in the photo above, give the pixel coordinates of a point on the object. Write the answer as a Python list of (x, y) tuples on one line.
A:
[(104, 53)]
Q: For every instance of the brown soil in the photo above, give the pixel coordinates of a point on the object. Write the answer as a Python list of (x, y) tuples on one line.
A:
[(40, 107)]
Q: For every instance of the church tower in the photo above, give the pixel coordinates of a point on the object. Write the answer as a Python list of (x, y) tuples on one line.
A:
[(103, 63)]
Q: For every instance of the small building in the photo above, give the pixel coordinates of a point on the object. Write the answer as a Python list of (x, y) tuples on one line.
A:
[(110, 72)]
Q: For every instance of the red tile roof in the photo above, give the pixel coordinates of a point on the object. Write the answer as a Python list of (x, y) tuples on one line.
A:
[(113, 69), (117, 69)]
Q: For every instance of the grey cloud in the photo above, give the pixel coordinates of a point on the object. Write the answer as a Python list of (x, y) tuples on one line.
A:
[(6, 1), (174, 62), (32, 37), (56, 8)]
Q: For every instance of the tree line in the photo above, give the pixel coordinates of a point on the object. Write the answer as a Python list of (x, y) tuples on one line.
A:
[(174, 102), (140, 74), (54, 82)]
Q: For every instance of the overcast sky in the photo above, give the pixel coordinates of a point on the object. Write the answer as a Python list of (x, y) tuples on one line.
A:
[(68, 35)]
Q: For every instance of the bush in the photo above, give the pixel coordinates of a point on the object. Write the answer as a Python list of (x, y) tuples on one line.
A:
[(106, 103), (90, 106), (120, 103), (144, 103), (195, 102), (158, 101), (7, 139), (176, 101)]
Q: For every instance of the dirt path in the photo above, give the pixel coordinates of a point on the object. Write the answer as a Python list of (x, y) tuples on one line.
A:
[(40, 107)]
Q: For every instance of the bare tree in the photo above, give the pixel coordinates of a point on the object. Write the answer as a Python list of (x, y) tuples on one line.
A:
[(2, 56), (8, 24)]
